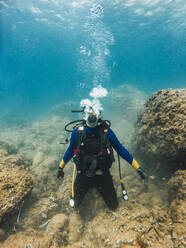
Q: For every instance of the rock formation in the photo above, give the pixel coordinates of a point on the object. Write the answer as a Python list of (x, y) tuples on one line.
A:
[(151, 218), (177, 207), (15, 183), (160, 143), (160, 135)]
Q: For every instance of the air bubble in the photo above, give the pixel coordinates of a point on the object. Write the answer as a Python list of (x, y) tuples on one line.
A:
[(96, 11)]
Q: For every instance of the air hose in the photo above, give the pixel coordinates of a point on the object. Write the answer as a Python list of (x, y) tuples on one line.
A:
[(124, 192), (71, 202)]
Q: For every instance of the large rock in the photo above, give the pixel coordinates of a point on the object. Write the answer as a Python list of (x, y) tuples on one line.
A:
[(160, 131), (15, 185)]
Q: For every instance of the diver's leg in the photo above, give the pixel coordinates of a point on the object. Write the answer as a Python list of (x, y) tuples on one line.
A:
[(105, 187), (81, 187)]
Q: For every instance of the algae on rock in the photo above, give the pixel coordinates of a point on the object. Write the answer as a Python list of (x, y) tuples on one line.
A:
[(160, 132)]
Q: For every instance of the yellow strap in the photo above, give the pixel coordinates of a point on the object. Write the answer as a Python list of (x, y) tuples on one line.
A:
[(121, 180), (135, 164), (73, 179)]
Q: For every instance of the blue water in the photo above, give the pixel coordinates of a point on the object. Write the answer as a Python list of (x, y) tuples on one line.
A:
[(55, 51)]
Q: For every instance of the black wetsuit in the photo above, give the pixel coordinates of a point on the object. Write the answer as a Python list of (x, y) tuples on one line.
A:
[(104, 185)]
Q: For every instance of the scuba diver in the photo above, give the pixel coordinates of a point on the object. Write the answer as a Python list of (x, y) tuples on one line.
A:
[(91, 146)]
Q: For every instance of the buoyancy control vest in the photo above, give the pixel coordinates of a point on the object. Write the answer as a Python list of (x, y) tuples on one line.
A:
[(94, 151)]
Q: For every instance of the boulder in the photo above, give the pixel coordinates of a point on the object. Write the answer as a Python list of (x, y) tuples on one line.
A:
[(15, 185), (160, 132)]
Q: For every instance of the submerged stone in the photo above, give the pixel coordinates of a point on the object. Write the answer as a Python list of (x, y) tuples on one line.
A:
[(15, 186), (159, 139)]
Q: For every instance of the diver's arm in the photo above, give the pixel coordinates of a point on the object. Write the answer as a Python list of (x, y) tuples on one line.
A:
[(118, 147), (122, 151), (70, 150)]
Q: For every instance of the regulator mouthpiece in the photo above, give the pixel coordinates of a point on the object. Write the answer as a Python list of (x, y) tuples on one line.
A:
[(92, 120)]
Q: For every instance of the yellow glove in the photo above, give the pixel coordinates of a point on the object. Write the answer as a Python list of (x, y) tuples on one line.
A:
[(62, 164), (135, 164), (140, 171)]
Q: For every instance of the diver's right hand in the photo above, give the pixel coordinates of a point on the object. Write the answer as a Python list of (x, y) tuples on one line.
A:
[(60, 173), (142, 174)]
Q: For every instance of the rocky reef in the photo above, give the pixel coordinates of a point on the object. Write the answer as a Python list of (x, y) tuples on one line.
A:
[(177, 185), (160, 143), (15, 183), (141, 222), (153, 217), (160, 133)]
